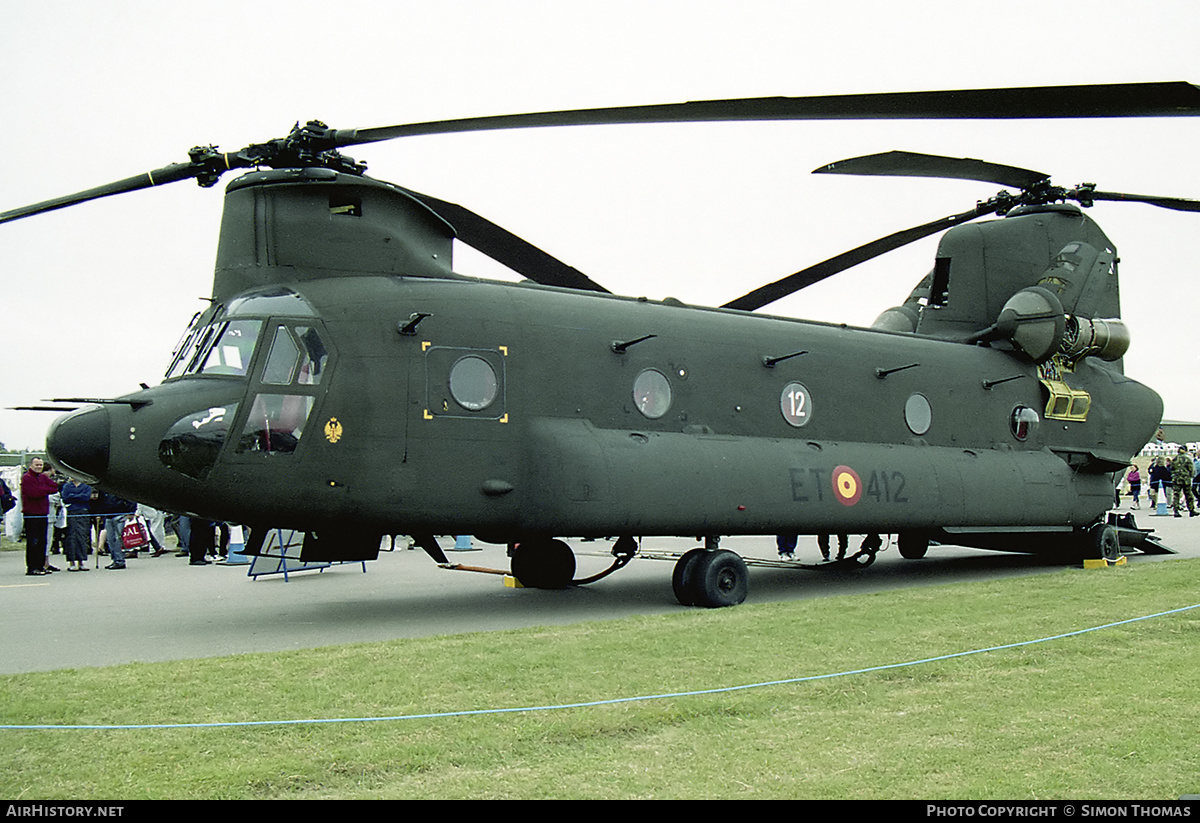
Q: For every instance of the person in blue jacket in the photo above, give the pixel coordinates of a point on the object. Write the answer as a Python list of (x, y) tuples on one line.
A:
[(77, 496), (1160, 480)]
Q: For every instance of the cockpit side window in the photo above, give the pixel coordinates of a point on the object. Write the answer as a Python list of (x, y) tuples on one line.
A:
[(315, 356), (297, 356), (281, 362), (291, 373), (275, 424)]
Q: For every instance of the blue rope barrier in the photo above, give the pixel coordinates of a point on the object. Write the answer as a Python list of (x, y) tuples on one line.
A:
[(606, 702)]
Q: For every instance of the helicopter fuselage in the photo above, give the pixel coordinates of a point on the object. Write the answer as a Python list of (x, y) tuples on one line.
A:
[(515, 410)]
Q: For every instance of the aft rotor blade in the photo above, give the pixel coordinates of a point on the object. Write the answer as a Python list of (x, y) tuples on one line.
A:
[(834, 265), (158, 177), (1039, 102), (911, 164), (505, 247), (1174, 203)]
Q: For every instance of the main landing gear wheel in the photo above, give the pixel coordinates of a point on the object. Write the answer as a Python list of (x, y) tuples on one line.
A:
[(681, 577), (912, 545), (710, 578), (543, 564), (1105, 542)]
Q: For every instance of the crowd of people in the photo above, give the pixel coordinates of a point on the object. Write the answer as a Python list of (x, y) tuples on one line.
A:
[(66, 516), (1178, 477)]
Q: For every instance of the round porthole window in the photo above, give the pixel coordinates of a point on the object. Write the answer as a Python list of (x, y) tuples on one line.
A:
[(473, 383), (1024, 422), (652, 393), (918, 415)]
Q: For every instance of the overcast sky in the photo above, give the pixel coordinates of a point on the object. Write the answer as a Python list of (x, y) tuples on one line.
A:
[(95, 297)]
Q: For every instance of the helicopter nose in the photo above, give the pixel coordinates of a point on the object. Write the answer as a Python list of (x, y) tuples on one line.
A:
[(78, 442)]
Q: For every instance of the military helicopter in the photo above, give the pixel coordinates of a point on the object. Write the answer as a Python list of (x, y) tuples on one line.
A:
[(345, 382)]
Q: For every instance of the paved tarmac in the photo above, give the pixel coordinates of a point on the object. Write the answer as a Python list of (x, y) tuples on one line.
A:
[(164, 609)]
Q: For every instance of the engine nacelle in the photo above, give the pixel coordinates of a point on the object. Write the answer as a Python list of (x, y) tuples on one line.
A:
[(1106, 339)]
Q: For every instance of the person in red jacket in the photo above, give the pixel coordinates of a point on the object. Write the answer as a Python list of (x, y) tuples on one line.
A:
[(37, 484)]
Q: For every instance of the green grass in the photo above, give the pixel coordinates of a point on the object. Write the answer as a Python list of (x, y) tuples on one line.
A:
[(1109, 714)]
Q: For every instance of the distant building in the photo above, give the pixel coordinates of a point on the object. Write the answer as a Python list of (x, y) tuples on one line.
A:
[(1170, 434), (1180, 431)]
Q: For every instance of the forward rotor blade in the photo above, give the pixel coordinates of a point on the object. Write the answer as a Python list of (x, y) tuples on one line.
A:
[(1173, 203), (56, 409), (1040, 102), (158, 177), (834, 265), (505, 247), (911, 164)]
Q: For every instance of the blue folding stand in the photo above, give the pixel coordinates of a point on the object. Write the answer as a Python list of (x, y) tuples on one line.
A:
[(280, 554)]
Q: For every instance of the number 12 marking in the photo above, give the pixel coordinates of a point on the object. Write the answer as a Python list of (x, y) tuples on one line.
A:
[(795, 404)]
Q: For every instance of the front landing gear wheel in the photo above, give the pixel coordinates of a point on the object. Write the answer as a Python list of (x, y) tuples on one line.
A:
[(543, 564), (712, 579)]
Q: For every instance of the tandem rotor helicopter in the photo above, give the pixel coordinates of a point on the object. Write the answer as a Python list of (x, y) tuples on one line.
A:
[(360, 387)]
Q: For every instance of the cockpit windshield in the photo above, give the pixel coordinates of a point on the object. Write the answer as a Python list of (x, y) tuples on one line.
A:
[(232, 348), (221, 340), (220, 346), (185, 349)]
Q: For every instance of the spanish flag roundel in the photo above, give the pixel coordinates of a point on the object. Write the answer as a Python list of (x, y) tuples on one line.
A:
[(847, 485)]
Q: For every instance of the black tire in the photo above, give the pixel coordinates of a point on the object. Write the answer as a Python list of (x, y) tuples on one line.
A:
[(543, 564), (682, 576), (1106, 543), (912, 545), (720, 578)]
